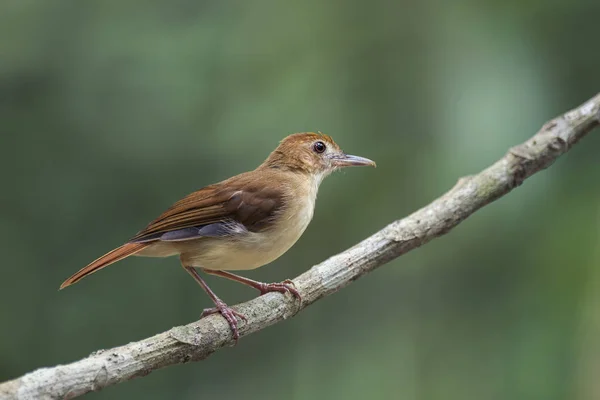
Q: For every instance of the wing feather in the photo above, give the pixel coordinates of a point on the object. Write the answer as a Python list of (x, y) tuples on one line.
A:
[(245, 205)]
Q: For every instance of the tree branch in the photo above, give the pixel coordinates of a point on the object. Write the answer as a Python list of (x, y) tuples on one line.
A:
[(199, 339)]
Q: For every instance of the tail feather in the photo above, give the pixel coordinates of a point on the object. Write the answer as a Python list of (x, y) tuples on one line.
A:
[(111, 257)]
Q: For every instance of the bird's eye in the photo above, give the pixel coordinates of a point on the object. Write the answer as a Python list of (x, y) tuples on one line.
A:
[(319, 147)]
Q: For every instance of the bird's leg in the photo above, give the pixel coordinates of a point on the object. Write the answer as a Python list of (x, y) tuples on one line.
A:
[(286, 286), (220, 307)]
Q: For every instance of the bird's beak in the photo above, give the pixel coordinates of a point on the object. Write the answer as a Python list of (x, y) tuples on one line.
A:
[(346, 160)]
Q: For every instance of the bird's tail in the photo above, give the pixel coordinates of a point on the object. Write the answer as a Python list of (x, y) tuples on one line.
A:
[(111, 257)]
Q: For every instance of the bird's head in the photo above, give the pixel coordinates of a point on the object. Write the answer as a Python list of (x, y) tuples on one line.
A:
[(312, 153)]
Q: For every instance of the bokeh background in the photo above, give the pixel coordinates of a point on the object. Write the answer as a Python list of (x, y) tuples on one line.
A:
[(112, 110)]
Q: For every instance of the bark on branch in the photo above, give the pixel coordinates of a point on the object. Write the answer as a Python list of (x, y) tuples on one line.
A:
[(196, 341)]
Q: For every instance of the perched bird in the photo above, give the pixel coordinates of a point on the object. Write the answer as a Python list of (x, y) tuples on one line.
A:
[(242, 223)]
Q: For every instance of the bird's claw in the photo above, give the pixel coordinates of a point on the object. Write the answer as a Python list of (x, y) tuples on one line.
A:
[(284, 287), (229, 314)]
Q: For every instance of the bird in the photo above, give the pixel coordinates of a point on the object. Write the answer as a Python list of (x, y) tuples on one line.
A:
[(241, 223)]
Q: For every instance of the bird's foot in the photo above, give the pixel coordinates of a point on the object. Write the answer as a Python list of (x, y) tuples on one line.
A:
[(229, 314), (284, 287)]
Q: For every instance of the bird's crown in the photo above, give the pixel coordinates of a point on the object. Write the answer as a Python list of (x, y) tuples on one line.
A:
[(304, 152)]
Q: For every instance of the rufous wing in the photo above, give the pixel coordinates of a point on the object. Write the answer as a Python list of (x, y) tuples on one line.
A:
[(231, 207)]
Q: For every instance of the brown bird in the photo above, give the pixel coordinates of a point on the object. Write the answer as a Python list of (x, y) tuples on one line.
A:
[(242, 223)]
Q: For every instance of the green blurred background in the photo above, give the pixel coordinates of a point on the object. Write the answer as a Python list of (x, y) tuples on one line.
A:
[(112, 110)]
